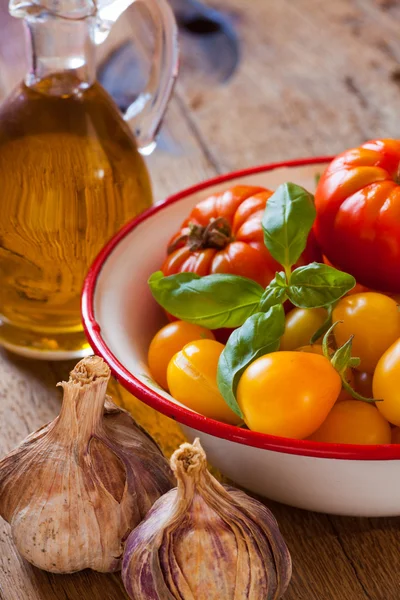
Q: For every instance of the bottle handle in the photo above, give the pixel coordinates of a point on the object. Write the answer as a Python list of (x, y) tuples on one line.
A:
[(146, 112)]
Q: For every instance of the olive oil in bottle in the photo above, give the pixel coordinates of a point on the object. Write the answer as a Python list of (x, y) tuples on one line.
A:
[(70, 177)]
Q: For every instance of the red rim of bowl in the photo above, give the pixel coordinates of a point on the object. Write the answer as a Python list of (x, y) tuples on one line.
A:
[(183, 415)]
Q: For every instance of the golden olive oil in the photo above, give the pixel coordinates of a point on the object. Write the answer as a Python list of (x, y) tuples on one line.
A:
[(70, 177)]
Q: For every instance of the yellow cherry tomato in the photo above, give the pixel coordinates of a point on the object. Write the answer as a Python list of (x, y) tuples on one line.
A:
[(288, 393), (167, 342), (192, 380), (396, 435), (343, 394), (373, 319), (363, 383), (353, 422), (386, 384), (300, 326)]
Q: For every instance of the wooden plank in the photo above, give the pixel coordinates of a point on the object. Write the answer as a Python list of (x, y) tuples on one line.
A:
[(371, 547), (321, 569), (315, 78)]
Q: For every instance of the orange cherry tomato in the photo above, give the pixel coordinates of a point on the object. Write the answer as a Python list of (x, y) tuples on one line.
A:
[(288, 393), (386, 384), (300, 326), (353, 422), (167, 342), (192, 380), (343, 394), (223, 234), (358, 225), (373, 319)]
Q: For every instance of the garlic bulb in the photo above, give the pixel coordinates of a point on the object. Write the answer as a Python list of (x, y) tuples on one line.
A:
[(74, 490), (205, 541)]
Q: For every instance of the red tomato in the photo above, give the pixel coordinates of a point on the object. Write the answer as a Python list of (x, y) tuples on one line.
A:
[(223, 234), (358, 214)]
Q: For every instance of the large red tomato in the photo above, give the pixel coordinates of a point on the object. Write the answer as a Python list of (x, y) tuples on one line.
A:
[(223, 234), (358, 214)]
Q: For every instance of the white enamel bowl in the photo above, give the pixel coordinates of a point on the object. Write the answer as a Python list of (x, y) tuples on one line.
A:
[(120, 318)]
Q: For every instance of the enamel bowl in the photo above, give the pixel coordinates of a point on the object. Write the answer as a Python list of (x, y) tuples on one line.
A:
[(120, 318)]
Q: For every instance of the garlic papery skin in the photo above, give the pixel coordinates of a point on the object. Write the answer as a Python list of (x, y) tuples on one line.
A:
[(74, 490), (205, 541)]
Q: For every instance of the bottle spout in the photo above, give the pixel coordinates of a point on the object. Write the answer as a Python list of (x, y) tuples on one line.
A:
[(64, 9)]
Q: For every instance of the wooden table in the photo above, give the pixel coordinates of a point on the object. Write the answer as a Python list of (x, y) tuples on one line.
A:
[(314, 78)]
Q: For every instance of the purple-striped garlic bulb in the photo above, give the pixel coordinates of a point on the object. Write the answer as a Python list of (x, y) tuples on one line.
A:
[(205, 541), (74, 490)]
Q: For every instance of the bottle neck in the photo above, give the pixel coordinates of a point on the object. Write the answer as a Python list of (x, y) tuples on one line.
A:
[(61, 53)]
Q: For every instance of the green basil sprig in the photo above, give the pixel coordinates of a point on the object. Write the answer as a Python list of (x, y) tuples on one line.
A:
[(259, 335), (212, 301), (287, 221)]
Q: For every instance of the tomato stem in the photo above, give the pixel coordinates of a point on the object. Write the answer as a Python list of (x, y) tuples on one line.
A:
[(325, 342), (341, 360), (217, 234), (355, 394)]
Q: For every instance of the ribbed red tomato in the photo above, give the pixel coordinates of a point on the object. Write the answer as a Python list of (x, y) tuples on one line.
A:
[(358, 214), (223, 234)]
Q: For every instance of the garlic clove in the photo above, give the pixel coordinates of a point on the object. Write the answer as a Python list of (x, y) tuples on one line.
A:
[(205, 541), (74, 490)]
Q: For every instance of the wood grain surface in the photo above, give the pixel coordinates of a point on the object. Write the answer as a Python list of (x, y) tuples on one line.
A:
[(314, 77)]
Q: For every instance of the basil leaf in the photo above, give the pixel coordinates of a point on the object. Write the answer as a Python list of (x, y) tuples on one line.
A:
[(275, 293), (317, 285), (259, 335), (214, 301), (288, 218)]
